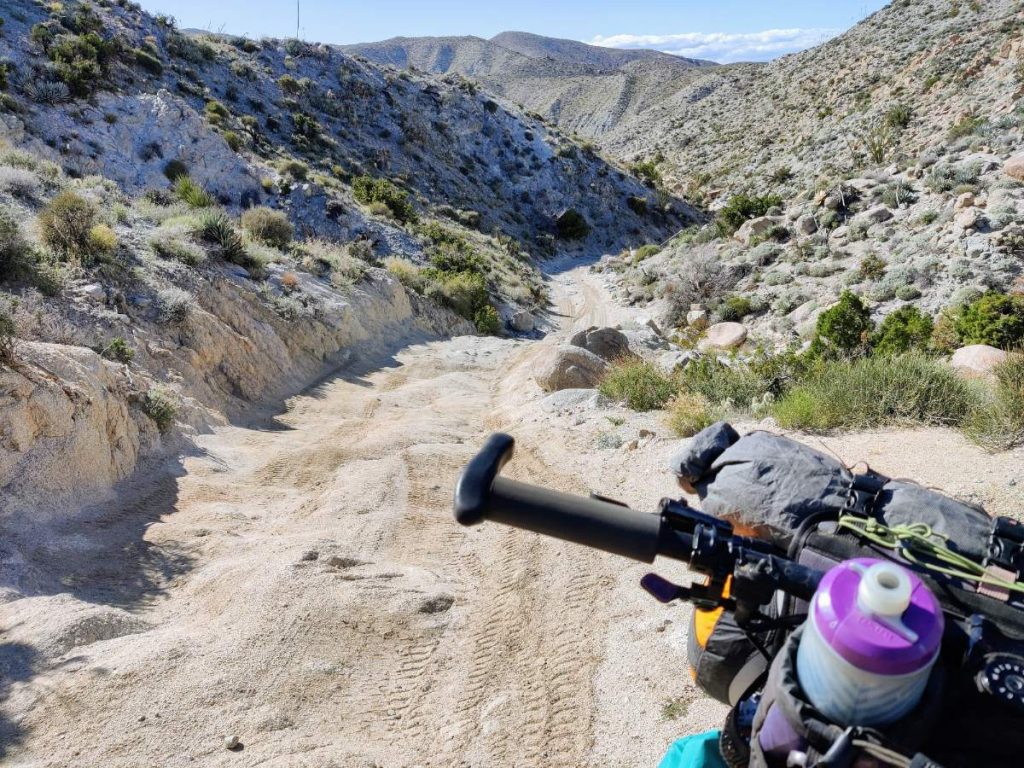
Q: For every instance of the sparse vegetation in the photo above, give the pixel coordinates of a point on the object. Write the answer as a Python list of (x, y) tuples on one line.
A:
[(161, 405), (268, 226), (192, 193), (741, 208), (66, 223), (639, 384), (368, 190)]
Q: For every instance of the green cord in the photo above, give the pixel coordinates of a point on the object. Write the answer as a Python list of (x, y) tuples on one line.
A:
[(917, 540)]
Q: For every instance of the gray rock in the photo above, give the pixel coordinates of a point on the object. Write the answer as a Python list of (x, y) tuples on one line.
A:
[(521, 321), (1014, 167), (875, 215), (755, 227), (569, 400), (697, 317), (806, 224), (606, 343), (724, 336), (570, 367), (977, 359)]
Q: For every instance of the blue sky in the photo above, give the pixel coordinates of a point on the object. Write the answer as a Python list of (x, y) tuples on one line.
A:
[(722, 30)]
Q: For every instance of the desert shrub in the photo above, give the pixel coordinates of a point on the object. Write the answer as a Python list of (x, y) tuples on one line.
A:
[(160, 404), (945, 178), (171, 247), (297, 169), (744, 385), (687, 414), (65, 223), (268, 226), (368, 190), (8, 329), (174, 305), (898, 116), (465, 293), (996, 319), (871, 268), (699, 278), (118, 349), (19, 182), (571, 225), (735, 308), (637, 205), (102, 242), (648, 171), (646, 251), (487, 320), (741, 208), (966, 126), (15, 252), (844, 327), (175, 169), (233, 140), (148, 61), (999, 424), (216, 113), (898, 193), (289, 85), (216, 228), (874, 391), (901, 331), (640, 384), (80, 61), (407, 273), (192, 193)]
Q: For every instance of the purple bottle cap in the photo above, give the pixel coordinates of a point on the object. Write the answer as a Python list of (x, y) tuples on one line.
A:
[(894, 644)]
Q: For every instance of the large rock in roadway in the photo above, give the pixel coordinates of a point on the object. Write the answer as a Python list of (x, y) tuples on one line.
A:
[(724, 336), (606, 343), (570, 367), (977, 359)]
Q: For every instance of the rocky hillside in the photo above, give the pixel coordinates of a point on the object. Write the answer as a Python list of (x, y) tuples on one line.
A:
[(884, 160), (192, 227), (585, 89)]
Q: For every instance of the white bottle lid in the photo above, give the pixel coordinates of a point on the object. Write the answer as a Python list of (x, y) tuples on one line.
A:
[(884, 590)]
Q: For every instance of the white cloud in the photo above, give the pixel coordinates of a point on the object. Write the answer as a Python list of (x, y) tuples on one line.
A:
[(724, 47)]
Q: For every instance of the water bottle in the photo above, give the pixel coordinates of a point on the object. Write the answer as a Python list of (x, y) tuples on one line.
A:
[(872, 635)]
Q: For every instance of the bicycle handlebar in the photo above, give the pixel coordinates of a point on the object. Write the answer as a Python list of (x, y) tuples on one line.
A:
[(482, 495)]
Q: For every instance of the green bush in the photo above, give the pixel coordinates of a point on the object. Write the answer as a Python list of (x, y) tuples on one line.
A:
[(646, 251), (875, 391), (175, 169), (368, 190), (898, 116), (571, 225), (297, 169), (744, 386), (216, 113), (268, 226), (487, 320), (233, 140), (407, 273), (741, 208), (80, 61), (901, 331), (160, 404), (639, 384), (65, 224), (102, 241), (648, 171), (465, 293), (688, 414), (872, 268), (216, 228), (999, 425), (192, 193), (8, 329), (148, 61), (15, 252), (637, 205), (118, 350), (996, 319), (845, 327), (735, 308)]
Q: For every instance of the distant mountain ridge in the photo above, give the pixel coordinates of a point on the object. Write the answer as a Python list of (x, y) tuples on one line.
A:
[(585, 88)]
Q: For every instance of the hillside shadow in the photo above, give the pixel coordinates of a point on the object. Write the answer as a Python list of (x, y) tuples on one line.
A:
[(18, 663)]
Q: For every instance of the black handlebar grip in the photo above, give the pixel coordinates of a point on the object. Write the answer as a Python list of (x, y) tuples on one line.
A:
[(482, 495), (473, 491)]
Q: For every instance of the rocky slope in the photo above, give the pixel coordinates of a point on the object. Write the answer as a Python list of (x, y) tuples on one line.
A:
[(584, 89), (163, 316), (890, 150)]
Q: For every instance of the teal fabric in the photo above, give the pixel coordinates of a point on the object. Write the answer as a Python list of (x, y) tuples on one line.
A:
[(698, 751)]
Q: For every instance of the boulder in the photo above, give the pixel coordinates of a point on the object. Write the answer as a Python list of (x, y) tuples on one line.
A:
[(966, 200), (606, 343), (755, 227), (521, 321), (977, 359), (806, 224), (93, 292), (724, 336), (875, 215), (570, 367), (966, 219), (1014, 167)]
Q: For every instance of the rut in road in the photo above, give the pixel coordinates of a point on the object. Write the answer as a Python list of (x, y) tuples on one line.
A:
[(333, 613)]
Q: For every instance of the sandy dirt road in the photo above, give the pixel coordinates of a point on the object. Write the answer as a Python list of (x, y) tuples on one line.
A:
[(302, 586), (307, 591)]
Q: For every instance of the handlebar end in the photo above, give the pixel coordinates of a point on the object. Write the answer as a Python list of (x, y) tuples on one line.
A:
[(473, 490)]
